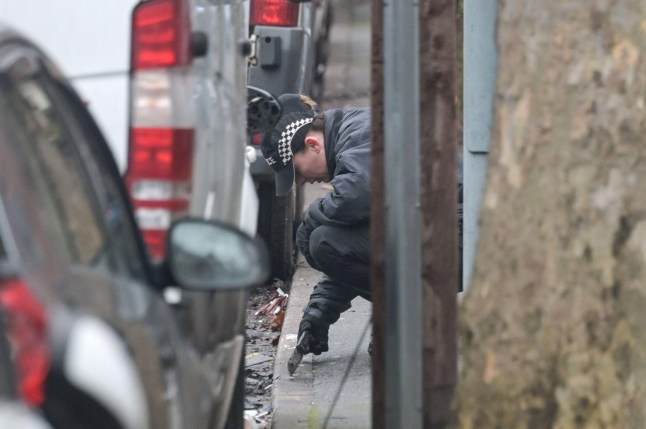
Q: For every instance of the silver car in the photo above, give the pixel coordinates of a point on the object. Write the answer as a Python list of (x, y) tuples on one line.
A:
[(94, 344)]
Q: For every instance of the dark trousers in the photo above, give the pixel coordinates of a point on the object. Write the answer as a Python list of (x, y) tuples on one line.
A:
[(343, 255)]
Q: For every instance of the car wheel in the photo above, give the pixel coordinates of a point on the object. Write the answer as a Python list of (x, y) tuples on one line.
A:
[(275, 226)]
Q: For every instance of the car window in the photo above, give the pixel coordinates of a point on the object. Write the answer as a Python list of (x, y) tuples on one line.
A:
[(121, 228), (47, 149), (72, 164)]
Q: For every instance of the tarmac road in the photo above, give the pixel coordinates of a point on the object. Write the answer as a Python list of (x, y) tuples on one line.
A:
[(317, 396)]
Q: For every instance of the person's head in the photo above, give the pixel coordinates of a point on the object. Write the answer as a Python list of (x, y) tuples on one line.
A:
[(294, 147)]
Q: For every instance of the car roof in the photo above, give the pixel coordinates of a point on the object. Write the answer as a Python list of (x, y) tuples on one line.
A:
[(7, 32)]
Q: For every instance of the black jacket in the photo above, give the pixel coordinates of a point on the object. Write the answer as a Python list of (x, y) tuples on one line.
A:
[(347, 149)]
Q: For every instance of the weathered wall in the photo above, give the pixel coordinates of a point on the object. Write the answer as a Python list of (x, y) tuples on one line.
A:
[(553, 328)]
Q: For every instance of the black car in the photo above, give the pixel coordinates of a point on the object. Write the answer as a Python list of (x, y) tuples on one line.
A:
[(290, 43), (94, 343)]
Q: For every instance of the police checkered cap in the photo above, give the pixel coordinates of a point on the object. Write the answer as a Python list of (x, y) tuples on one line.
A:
[(286, 137), (277, 144)]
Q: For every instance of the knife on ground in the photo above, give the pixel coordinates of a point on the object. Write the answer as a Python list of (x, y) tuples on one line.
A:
[(302, 348)]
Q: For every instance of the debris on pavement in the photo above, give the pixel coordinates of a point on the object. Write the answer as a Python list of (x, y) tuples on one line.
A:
[(256, 420), (256, 358), (276, 305), (265, 315), (274, 310)]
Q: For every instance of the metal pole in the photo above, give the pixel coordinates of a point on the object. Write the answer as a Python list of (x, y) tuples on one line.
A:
[(403, 345), (377, 219), (480, 64)]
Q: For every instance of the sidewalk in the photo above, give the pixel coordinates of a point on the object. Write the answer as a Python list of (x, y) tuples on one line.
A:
[(304, 400)]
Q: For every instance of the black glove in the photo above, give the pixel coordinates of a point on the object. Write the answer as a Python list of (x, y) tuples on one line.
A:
[(318, 342)]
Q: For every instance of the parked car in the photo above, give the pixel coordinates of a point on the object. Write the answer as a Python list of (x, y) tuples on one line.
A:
[(291, 43), (290, 40), (94, 343), (173, 111)]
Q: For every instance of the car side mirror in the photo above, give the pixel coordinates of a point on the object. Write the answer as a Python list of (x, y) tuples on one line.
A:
[(263, 110), (209, 255)]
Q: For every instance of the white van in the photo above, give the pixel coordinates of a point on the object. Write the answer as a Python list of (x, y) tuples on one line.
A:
[(192, 106)]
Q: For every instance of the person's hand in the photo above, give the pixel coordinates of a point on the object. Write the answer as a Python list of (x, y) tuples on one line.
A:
[(318, 342)]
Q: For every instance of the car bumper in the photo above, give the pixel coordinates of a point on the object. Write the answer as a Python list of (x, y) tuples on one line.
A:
[(259, 169), (14, 414)]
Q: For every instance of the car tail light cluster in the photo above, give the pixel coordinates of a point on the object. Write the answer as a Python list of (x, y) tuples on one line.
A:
[(256, 138), (280, 13), (26, 324), (160, 152)]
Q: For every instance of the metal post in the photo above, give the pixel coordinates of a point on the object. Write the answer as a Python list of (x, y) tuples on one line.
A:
[(480, 64), (403, 342), (377, 218)]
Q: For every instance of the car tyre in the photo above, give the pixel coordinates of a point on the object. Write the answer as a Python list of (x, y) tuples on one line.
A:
[(275, 226)]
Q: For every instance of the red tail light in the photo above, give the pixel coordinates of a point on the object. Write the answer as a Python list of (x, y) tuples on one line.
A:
[(159, 171), (255, 139), (164, 153), (27, 332), (160, 153), (160, 34), (155, 239), (280, 13)]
